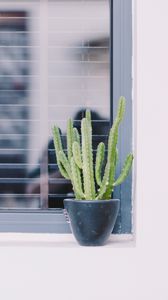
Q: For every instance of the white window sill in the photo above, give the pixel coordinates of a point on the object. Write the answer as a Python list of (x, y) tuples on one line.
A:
[(59, 240)]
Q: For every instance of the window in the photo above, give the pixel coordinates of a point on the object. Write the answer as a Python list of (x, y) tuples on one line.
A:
[(56, 59)]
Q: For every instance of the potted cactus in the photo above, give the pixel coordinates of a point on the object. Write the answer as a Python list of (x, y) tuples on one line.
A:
[(92, 213)]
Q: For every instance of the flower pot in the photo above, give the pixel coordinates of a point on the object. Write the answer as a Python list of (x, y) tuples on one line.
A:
[(92, 221)]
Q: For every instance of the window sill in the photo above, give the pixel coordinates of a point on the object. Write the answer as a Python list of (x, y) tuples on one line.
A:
[(59, 240)]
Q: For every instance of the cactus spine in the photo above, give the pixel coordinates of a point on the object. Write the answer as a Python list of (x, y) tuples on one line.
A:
[(77, 165)]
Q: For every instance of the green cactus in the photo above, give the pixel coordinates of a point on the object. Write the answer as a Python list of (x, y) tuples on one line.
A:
[(69, 138), (88, 116), (99, 162), (87, 159), (77, 154), (78, 166), (76, 180), (125, 170), (64, 161), (58, 148), (76, 136)]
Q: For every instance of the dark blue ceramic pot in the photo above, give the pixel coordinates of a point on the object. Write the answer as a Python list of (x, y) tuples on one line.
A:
[(92, 221)]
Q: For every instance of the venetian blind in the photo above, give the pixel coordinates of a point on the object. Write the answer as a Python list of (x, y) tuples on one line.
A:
[(54, 63)]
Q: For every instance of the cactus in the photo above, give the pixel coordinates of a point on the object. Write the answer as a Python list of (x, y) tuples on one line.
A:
[(88, 182), (99, 162), (77, 154)]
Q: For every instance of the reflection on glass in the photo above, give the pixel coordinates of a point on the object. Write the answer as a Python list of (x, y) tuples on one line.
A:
[(75, 48)]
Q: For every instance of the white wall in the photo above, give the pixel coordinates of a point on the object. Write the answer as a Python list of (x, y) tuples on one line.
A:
[(115, 273)]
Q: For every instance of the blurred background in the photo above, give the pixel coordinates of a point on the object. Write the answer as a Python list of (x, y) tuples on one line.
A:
[(54, 63)]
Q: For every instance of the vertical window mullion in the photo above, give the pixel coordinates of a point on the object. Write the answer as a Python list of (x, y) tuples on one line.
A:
[(122, 85)]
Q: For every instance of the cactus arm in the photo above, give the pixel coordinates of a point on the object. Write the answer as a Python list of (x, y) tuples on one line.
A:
[(69, 138), (58, 147), (77, 154), (65, 163), (104, 184), (112, 143), (88, 116), (116, 157), (121, 109), (87, 159), (125, 170), (76, 180), (99, 162), (76, 136), (108, 178), (109, 175), (57, 139), (63, 171), (113, 140)]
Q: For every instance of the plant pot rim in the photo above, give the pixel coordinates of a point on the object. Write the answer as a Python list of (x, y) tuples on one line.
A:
[(90, 201)]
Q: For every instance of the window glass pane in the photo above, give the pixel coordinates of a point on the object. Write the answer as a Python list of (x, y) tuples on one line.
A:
[(54, 63), (78, 73), (18, 25)]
